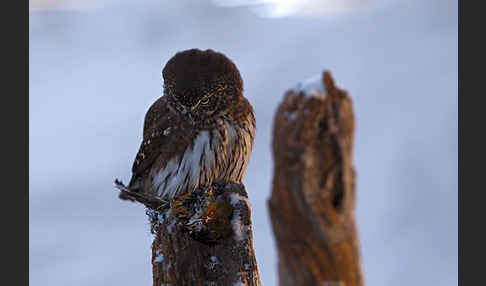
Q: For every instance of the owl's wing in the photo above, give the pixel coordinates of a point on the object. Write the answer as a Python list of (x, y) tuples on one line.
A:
[(157, 125)]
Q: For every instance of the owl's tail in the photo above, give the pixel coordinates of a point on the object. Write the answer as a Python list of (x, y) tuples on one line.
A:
[(123, 191), (137, 196)]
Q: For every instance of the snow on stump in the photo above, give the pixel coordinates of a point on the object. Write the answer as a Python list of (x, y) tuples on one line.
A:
[(206, 240)]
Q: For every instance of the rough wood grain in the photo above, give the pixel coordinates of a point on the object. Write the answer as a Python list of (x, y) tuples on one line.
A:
[(206, 240), (313, 197)]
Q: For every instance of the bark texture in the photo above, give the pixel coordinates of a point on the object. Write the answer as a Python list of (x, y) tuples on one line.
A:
[(313, 197), (206, 239)]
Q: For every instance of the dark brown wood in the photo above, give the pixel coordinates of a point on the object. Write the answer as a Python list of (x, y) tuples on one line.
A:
[(313, 197), (206, 240)]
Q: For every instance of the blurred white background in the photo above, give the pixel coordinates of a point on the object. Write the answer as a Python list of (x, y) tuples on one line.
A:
[(95, 68)]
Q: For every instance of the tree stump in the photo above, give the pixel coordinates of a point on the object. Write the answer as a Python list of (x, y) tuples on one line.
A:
[(313, 197), (203, 238), (209, 243)]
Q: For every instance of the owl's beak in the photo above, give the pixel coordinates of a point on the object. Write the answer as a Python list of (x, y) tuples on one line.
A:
[(190, 116), (187, 112), (193, 108)]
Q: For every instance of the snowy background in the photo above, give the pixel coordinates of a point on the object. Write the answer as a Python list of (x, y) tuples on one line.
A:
[(95, 68)]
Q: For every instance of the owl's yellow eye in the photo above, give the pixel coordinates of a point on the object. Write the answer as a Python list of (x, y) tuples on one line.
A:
[(205, 101)]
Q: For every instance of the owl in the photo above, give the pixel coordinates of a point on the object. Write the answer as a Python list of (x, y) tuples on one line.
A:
[(200, 131)]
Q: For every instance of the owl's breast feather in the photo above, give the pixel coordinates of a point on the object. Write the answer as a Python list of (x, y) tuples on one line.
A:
[(218, 154), (195, 167)]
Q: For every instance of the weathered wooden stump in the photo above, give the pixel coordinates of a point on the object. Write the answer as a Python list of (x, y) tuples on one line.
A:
[(313, 196)]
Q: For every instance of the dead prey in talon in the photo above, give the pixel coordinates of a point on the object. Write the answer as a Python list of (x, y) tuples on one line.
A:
[(200, 131)]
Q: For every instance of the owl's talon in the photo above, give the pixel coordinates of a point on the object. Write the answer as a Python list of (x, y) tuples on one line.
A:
[(211, 191)]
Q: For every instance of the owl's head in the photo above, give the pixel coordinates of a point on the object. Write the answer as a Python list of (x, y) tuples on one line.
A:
[(202, 84)]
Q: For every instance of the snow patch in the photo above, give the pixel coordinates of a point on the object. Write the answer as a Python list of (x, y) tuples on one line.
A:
[(312, 87), (213, 261), (170, 226), (237, 225), (291, 115), (155, 217), (240, 230), (159, 257), (235, 198)]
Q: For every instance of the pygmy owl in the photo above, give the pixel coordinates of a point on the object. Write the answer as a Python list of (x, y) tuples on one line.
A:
[(200, 131)]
